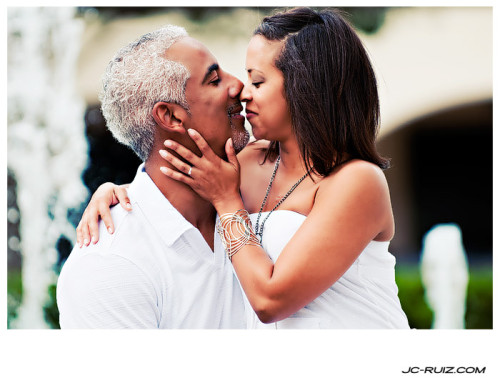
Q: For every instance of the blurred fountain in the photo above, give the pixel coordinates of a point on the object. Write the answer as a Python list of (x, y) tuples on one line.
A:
[(47, 148), (445, 275)]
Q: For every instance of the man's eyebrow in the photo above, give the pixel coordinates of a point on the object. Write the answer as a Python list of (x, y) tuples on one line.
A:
[(210, 69)]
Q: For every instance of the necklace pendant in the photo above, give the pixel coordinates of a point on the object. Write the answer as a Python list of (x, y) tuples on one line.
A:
[(259, 229), (260, 237)]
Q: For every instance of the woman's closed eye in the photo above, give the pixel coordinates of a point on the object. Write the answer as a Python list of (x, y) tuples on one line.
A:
[(257, 84)]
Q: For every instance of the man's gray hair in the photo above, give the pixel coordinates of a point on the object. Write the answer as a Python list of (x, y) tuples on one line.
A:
[(136, 79)]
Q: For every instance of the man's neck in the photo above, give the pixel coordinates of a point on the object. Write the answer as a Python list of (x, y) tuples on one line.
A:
[(199, 212)]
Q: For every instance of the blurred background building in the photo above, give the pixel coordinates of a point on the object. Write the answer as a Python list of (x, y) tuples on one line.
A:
[(434, 67)]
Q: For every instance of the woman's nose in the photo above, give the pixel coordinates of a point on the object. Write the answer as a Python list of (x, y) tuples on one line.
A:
[(245, 94)]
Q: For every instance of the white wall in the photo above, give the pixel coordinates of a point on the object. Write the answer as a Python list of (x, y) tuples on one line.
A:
[(426, 58)]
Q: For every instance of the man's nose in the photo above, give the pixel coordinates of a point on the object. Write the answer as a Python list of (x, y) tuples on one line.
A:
[(235, 87)]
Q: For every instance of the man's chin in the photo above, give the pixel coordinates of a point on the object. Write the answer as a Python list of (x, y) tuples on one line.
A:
[(239, 134), (240, 140)]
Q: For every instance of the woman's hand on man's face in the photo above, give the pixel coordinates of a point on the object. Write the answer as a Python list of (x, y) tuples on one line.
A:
[(211, 177)]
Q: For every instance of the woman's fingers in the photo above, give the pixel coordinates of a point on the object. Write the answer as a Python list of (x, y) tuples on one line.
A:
[(231, 154), (87, 231), (79, 234), (179, 164), (177, 175), (106, 195), (205, 149), (94, 228), (105, 214), (122, 197), (185, 153), (82, 231), (188, 155)]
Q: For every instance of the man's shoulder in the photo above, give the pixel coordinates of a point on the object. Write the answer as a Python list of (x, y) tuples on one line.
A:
[(126, 249), (99, 290), (101, 260), (133, 232), (116, 260), (128, 245)]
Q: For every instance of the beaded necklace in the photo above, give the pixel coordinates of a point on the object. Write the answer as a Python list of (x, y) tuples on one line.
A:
[(259, 230)]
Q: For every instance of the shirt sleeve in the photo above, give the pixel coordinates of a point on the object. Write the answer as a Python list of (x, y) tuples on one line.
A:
[(105, 291)]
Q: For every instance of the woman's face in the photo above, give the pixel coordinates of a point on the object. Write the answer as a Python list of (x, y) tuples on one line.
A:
[(264, 94)]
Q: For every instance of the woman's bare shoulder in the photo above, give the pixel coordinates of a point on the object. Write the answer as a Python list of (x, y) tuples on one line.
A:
[(356, 167), (253, 153), (361, 190), (355, 175)]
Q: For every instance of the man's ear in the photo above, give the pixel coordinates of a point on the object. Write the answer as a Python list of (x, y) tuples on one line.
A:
[(169, 116)]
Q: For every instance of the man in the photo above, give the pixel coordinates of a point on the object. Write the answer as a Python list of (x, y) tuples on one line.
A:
[(159, 268)]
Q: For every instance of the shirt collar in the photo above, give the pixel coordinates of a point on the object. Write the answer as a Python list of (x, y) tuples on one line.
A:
[(165, 218)]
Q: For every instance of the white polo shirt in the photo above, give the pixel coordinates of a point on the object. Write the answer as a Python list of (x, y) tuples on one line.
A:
[(155, 271)]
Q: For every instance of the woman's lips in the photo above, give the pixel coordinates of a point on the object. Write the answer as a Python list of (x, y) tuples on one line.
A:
[(250, 114)]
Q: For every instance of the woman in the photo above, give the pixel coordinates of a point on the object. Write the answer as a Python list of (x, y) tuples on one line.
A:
[(308, 236)]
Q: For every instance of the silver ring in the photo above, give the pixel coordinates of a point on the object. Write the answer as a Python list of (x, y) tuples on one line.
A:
[(189, 172)]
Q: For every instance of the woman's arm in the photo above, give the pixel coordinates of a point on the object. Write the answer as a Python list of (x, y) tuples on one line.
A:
[(106, 195), (349, 211), (351, 208)]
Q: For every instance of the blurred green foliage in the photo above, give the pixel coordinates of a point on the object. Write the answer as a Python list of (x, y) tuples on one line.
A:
[(14, 297), (411, 295), (366, 19), (14, 294), (479, 313), (479, 310), (50, 309)]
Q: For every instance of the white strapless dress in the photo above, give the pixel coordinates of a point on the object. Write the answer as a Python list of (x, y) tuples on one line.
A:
[(365, 297)]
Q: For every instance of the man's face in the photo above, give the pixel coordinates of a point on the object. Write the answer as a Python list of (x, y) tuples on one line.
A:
[(212, 96)]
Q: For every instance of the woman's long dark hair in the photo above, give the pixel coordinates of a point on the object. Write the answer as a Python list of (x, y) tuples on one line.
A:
[(330, 88)]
